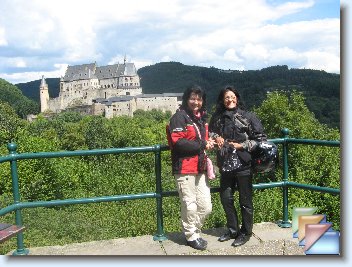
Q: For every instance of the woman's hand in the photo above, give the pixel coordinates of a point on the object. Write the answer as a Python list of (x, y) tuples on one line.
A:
[(219, 141), (210, 144), (237, 146)]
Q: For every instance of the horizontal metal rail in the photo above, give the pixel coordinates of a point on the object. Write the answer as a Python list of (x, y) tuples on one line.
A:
[(17, 206)]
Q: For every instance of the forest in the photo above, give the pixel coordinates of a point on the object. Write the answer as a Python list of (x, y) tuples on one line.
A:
[(321, 89), (78, 177)]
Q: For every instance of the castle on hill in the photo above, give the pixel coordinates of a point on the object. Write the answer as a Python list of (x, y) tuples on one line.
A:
[(112, 90)]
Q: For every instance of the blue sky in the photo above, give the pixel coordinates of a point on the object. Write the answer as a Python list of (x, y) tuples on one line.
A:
[(40, 37)]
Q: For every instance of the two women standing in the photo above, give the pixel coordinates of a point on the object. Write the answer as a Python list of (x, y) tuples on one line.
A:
[(235, 132)]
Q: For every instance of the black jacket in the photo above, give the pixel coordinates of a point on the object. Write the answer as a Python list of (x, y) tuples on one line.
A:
[(241, 126)]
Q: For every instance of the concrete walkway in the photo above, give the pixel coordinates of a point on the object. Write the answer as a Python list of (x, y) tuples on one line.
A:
[(268, 239)]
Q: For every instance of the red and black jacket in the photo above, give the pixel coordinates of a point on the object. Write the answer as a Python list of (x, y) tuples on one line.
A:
[(187, 148)]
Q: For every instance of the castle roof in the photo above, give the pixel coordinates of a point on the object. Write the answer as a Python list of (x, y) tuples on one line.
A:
[(120, 98), (130, 69), (92, 71), (43, 82), (80, 72), (159, 95), (109, 101), (125, 98), (109, 71)]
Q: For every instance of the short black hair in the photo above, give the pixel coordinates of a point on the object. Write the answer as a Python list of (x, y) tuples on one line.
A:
[(196, 89)]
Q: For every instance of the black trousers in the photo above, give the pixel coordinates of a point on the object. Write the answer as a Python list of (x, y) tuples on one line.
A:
[(242, 181)]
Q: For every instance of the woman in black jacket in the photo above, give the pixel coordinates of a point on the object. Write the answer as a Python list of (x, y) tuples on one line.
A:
[(236, 132)]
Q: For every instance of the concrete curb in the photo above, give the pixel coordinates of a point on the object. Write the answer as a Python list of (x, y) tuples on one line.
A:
[(267, 239)]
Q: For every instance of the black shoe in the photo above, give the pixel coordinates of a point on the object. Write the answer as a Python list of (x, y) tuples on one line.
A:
[(203, 241), (227, 236), (240, 240), (197, 244)]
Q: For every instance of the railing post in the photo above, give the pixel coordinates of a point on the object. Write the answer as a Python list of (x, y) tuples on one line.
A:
[(160, 235), (21, 250), (285, 223)]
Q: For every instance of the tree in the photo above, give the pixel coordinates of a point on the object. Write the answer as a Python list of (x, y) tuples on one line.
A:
[(14, 97), (10, 123), (308, 164), (97, 134)]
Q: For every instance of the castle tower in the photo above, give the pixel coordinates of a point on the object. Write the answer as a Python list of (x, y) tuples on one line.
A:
[(44, 95)]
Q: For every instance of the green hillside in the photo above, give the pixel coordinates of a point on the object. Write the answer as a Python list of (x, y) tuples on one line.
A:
[(10, 94), (321, 89), (31, 89)]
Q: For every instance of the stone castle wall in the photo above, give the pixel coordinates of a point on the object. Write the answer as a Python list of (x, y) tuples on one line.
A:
[(90, 89)]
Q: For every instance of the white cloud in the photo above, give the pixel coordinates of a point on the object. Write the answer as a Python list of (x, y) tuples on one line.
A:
[(222, 33), (285, 53), (2, 37), (20, 77), (292, 7), (322, 61), (255, 52), (20, 63), (231, 55)]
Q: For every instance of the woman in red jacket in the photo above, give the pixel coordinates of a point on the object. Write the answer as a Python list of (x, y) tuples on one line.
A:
[(188, 139)]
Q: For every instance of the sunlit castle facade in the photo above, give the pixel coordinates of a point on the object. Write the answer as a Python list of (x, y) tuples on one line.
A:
[(110, 91)]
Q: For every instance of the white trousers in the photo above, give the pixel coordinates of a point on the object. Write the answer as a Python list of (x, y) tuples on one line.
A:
[(194, 193)]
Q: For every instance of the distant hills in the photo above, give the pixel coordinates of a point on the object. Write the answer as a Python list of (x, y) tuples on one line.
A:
[(321, 89), (10, 94), (31, 89)]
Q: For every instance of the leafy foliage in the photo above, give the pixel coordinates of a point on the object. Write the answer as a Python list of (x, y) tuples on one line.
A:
[(79, 177), (14, 97), (9, 123), (308, 164)]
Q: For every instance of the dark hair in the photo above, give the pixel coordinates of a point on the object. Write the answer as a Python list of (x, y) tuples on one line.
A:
[(220, 104), (196, 89)]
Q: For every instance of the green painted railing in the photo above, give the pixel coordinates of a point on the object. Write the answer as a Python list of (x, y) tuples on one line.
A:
[(17, 205)]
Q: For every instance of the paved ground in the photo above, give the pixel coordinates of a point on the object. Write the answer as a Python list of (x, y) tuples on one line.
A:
[(268, 239)]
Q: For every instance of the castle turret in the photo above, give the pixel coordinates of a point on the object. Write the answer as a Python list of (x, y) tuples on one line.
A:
[(44, 95)]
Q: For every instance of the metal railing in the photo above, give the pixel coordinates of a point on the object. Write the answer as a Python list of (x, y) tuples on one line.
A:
[(18, 205)]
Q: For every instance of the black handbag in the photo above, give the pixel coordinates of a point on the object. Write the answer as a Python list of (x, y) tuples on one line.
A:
[(231, 161)]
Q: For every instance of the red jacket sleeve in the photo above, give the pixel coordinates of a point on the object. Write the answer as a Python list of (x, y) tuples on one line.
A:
[(184, 137)]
